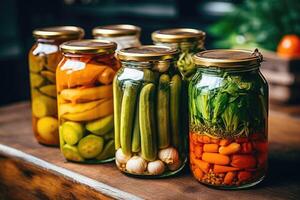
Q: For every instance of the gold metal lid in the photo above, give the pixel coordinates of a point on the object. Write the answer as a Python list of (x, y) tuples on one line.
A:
[(147, 53), (228, 58), (59, 32), (116, 30), (178, 35), (91, 46)]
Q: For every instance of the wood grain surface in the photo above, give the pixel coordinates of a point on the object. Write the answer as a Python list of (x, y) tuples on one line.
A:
[(28, 168)]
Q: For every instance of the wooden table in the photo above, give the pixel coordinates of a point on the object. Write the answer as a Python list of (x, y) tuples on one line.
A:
[(32, 171)]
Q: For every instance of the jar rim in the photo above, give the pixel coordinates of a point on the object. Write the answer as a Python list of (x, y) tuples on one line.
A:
[(148, 53), (228, 58), (88, 46), (178, 35), (58, 32), (116, 30)]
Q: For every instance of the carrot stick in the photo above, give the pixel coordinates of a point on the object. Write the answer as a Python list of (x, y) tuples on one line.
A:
[(243, 161), (229, 178), (222, 169), (198, 173), (206, 139), (224, 142), (243, 175), (216, 158), (192, 146), (107, 76), (214, 140), (198, 151), (213, 148), (230, 149), (246, 147), (204, 166), (194, 138), (192, 157)]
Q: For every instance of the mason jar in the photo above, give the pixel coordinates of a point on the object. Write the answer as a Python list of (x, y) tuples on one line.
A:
[(43, 58), (85, 100), (124, 35), (188, 41), (228, 108), (149, 136)]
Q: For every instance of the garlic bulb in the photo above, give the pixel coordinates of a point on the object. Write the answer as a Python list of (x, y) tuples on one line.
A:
[(122, 166), (136, 165), (121, 157), (174, 166), (156, 167), (168, 155)]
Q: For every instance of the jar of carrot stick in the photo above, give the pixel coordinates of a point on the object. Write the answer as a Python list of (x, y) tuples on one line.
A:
[(228, 108), (43, 59), (85, 100)]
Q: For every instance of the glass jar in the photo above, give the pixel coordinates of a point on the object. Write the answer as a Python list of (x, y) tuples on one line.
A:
[(43, 59), (188, 41), (85, 100), (149, 137), (124, 35), (228, 106)]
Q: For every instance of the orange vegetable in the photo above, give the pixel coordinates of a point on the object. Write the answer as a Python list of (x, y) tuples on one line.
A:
[(262, 159), (204, 166), (198, 151), (229, 178), (243, 161), (216, 158), (261, 146), (224, 142), (213, 148), (206, 139), (215, 141), (198, 173), (246, 147), (289, 46), (222, 169), (192, 157), (244, 175), (192, 147), (230, 149), (107, 76), (194, 138)]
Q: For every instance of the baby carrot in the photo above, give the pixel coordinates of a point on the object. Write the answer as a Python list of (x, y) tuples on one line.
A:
[(229, 178), (224, 142), (194, 138), (230, 149), (222, 169), (246, 147), (206, 139), (214, 140), (204, 166), (198, 151), (107, 76), (216, 158), (244, 176), (243, 161), (213, 148), (192, 147), (198, 173)]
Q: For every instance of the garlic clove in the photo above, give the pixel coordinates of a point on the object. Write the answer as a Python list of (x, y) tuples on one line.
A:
[(136, 165), (156, 167), (169, 155), (121, 157)]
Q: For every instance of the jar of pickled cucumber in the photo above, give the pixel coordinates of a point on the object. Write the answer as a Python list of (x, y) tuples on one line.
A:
[(43, 59), (85, 100), (149, 137), (188, 41), (228, 108), (124, 35)]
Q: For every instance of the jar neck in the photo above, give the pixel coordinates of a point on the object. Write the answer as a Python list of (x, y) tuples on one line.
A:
[(160, 66), (232, 70), (104, 56), (193, 46), (51, 41)]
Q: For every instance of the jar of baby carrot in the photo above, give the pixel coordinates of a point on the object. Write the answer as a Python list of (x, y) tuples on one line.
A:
[(228, 108), (85, 100), (43, 59)]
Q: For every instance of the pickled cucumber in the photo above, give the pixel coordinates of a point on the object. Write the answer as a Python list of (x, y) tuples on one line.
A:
[(147, 124), (101, 126), (49, 90), (43, 106), (117, 111), (163, 99), (90, 146), (136, 137), (50, 76), (36, 80), (108, 151), (47, 128), (127, 110), (71, 153), (72, 132)]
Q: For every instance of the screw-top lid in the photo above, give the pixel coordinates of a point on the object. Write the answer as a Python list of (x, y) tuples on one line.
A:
[(116, 30), (178, 35), (228, 58), (59, 32), (148, 53), (92, 46)]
